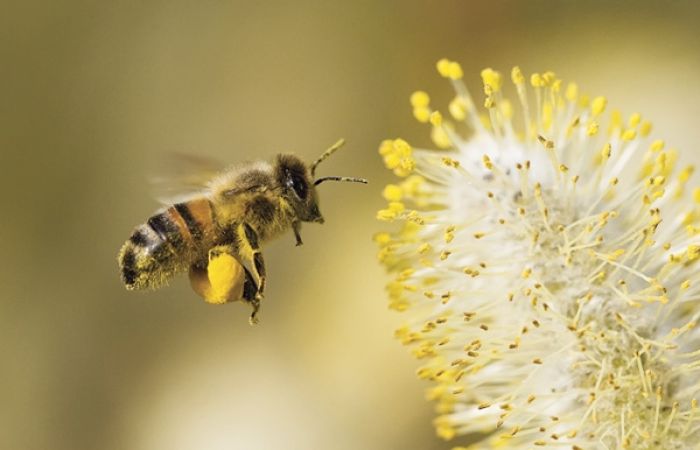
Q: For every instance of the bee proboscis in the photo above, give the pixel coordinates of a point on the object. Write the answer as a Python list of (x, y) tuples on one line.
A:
[(227, 222)]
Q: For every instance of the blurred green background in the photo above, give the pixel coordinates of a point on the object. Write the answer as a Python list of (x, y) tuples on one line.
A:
[(94, 94)]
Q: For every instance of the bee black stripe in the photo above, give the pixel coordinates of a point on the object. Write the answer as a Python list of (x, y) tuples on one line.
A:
[(190, 221), (139, 238), (162, 225), (129, 272)]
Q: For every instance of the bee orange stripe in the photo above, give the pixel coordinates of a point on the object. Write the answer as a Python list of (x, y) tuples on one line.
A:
[(193, 226), (201, 213), (181, 224)]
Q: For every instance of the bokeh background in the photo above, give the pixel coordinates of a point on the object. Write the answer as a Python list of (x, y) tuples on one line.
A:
[(93, 95)]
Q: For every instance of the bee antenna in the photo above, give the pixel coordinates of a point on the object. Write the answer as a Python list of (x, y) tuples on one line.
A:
[(351, 179), (326, 154)]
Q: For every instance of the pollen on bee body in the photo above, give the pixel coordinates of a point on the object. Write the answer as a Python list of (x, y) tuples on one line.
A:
[(563, 240)]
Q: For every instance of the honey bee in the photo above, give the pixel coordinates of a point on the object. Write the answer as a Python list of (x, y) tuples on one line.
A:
[(228, 220)]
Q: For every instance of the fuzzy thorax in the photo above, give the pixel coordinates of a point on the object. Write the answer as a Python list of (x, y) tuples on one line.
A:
[(546, 258)]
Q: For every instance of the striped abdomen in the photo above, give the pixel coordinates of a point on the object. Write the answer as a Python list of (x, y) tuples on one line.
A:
[(166, 244)]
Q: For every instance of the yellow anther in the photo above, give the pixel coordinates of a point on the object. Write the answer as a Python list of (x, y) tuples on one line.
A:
[(445, 431), (549, 78), (440, 137), (386, 147), (487, 162), (443, 67), (645, 128), (492, 81), (402, 147), (407, 166), (549, 145), (657, 145), (598, 105), (696, 195), (455, 71), (686, 173), (584, 101), (571, 92), (449, 69), (634, 120), (517, 76), (396, 207), (458, 109), (392, 193), (556, 85), (629, 135), (593, 129), (489, 102), (421, 113), (446, 160), (382, 238), (397, 156), (415, 218), (563, 168), (420, 99), (606, 152), (526, 273), (536, 80), (424, 248), (693, 252), (685, 285), (436, 118)]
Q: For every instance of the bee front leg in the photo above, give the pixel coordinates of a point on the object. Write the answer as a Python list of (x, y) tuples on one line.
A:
[(297, 232)]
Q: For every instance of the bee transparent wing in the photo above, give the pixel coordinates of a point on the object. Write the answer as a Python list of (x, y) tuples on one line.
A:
[(184, 176)]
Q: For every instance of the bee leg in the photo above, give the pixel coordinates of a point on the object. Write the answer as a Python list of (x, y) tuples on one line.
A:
[(250, 295), (297, 232), (250, 254)]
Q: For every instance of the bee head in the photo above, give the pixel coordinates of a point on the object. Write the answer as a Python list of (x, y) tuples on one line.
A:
[(299, 186)]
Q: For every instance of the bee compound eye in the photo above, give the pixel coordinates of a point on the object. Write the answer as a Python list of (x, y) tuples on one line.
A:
[(299, 186)]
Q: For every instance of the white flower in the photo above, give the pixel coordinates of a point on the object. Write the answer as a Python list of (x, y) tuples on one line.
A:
[(547, 262)]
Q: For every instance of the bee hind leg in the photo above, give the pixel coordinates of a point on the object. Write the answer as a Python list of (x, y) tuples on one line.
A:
[(250, 254), (252, 297)]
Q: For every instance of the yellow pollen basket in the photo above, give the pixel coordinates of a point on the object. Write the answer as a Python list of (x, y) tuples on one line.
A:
[(221, 282)]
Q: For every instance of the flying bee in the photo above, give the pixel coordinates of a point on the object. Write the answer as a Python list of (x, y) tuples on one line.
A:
[(216, 234)]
